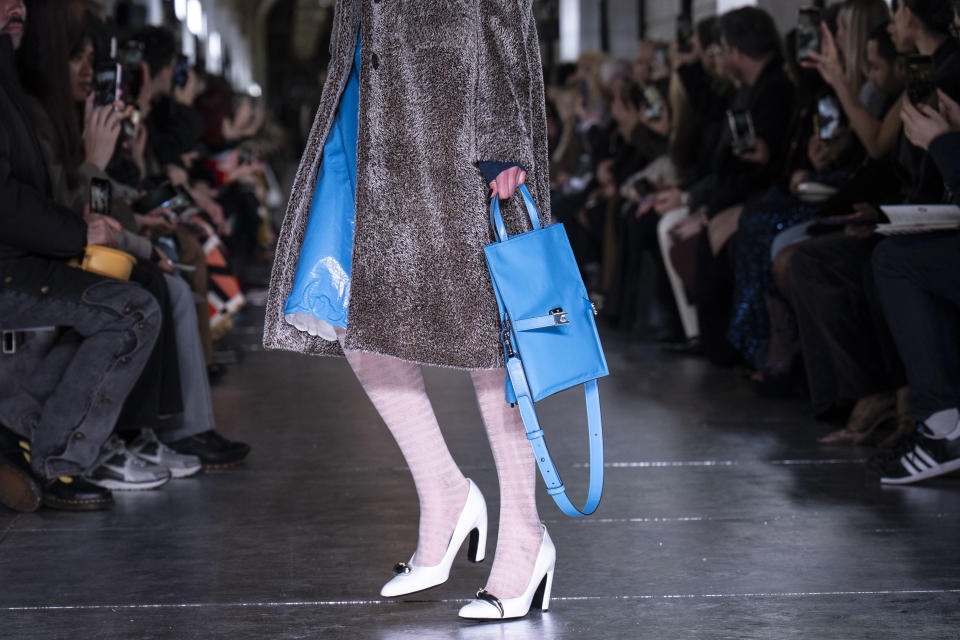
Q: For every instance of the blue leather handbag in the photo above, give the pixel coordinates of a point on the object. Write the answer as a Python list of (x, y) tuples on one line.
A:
[(549, 336)]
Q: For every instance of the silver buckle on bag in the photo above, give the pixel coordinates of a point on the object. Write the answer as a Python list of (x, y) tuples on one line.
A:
[(559, 316)]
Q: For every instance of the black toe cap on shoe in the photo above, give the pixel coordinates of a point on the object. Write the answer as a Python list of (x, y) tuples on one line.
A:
[(77, 495)]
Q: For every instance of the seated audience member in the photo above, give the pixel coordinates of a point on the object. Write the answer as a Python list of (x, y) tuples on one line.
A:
[(174, 383), (73, 399), (847, 349), (832, 155), (754, 61), (918, 278)]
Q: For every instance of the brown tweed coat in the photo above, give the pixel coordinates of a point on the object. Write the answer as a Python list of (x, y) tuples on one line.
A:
[(443, 84)]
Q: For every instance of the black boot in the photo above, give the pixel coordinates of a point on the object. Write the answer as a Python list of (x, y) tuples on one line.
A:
[(76, 494)]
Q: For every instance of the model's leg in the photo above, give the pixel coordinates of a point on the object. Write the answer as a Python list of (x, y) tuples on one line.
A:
[(397, 391), (520, 531)]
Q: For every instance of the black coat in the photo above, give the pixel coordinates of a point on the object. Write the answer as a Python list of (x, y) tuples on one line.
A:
[(945, 151), (921, 182), (770, 102), (30, 221)]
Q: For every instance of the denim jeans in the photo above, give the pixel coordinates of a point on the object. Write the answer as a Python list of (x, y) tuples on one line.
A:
[(919, 282), (68, 406), (197, 415)]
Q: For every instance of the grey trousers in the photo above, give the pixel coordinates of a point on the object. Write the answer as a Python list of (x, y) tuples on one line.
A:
[(197, 414), (69, 404)]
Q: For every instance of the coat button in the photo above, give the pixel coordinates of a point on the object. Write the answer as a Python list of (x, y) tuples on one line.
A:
[(127, 309), (142, 325), (375, 60), (44, 289), (124, 360), (79, 435), (8, 279)]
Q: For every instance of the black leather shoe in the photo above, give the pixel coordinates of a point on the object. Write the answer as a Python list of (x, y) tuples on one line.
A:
[(19, 488), (214, 451), (76, 494)]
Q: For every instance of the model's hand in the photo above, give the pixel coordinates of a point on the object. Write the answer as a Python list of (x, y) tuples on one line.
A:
[(507, 182)]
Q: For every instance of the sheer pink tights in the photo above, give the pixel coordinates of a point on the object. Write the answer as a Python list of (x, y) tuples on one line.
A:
[(397, 391)]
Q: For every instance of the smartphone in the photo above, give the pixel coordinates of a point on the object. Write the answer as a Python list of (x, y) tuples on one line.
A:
[(829, 116), (654, 103), (921, 88), (631, 93), (107, 79), (660, 55), (644, 187), (131, 57), (808, 32), (179, 203), (155, 198), (741, 127), (181, 72), (684, 34), (101, 192)]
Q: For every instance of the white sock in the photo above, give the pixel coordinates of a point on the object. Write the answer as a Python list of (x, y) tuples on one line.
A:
[(944, 424)]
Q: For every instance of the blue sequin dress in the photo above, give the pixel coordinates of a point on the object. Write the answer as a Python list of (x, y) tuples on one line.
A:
[(760, 223), (320, 296)]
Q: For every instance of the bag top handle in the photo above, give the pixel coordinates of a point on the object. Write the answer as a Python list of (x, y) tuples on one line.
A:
[(496, 218)]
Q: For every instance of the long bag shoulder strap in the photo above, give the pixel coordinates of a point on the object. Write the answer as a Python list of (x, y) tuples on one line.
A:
[(548, 470), (519, 390)]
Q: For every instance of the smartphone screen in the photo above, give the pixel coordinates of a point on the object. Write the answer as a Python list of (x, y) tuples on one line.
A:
[(741, 127), (921, 88), (106, 84), (100, 195), (808, 32), (181, 72), (654, 103), (828, 116)]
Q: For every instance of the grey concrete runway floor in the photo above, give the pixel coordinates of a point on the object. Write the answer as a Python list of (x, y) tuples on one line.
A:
[(722, 518)]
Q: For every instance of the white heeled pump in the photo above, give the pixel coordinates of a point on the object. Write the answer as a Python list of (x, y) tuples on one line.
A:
[(489, 607), (411, 578)]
